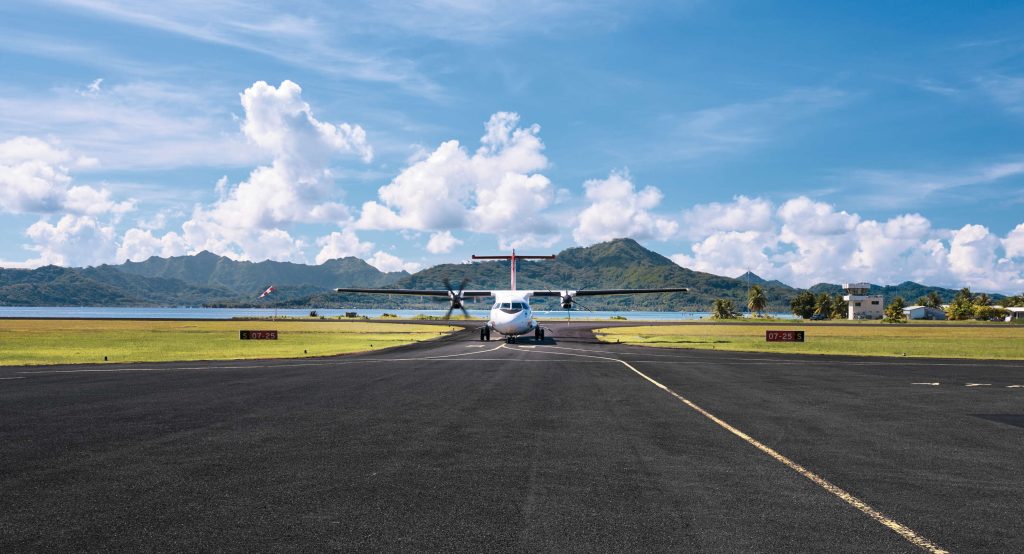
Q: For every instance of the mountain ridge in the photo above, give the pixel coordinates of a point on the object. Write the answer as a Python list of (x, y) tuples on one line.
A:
[(211, 280)]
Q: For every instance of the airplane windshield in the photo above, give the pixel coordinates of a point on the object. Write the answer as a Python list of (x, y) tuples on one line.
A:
[(510, 307)]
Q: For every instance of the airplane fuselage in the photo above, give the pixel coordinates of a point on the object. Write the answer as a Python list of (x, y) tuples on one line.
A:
[(511, 314)]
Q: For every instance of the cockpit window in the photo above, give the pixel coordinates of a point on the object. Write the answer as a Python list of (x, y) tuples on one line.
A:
[(511, 307)]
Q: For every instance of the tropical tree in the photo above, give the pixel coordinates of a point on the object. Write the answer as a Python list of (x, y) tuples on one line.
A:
[(840, 307), (962, 306), (756, 300), (933, 300), (990, 313), (894, 312), (803, 304), (982, 300), (823, 305), (722, 309)]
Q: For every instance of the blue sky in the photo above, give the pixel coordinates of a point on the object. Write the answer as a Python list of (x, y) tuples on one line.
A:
[(803, 141)]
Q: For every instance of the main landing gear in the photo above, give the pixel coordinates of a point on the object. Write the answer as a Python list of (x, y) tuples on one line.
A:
[(485, 334)]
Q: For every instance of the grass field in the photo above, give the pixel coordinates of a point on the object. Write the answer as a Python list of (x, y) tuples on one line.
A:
[(88, 341), (933, 341)]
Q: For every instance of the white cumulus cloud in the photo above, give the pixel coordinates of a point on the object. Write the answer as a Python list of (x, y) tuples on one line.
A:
[(139, 244), (35, 178), (75, 240), (617, 209), (249, 220), (442, 242), (803, 242), (389, 262), (340, 245), (1014, 242), (495, 189)]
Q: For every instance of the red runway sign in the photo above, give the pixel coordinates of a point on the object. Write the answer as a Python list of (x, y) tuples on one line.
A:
[(784, 336), (257, 335)]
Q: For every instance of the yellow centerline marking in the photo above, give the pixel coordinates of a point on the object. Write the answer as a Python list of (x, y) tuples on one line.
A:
[(904, 531)]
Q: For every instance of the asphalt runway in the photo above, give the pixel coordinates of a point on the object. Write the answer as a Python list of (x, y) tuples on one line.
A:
[(565, 445)]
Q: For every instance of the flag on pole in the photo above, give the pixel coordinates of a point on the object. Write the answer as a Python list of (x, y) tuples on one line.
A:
[(269, 290)]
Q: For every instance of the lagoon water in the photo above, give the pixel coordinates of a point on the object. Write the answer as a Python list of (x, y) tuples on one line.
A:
[(229, 313)]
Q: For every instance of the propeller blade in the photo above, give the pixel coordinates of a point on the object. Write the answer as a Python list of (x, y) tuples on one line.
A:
[(464, 312), (462, 285), (448, 314)]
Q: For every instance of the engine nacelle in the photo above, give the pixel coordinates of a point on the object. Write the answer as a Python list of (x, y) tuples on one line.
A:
[(456, 300), (567, 299)]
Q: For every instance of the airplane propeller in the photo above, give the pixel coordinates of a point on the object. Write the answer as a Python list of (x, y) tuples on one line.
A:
[(568, 300), (455, 298)]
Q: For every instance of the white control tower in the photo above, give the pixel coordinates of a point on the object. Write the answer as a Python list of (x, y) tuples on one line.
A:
[(861, 304)]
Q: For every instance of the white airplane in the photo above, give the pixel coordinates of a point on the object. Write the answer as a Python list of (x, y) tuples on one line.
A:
[(511, 315)]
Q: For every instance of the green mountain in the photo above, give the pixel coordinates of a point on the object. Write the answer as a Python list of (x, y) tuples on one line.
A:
[(909, 290), (210, 280), (207, 269), (202, 279), (96, 286), (751, 278), (619, 263)]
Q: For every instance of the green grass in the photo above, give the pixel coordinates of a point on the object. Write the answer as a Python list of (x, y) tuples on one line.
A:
[(933, 341), (49, 341)]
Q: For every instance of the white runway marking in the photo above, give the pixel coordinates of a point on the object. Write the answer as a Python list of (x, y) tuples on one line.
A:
[(929, 384), (904, 531), (475, 345), (978, 385), (9, 378), (882, 360)]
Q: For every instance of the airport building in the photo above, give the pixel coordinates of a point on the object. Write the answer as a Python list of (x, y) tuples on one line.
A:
[(924, 312), (861, 304), (1015, 313)]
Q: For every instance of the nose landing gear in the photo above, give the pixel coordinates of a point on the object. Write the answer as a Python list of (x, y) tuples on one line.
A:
[(538, 334), (485, 334)]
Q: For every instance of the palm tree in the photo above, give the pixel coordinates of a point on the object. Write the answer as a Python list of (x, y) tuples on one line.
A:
[(840, 307), (803, 304), (722, 309), (962, 306), (933, 300), (823, 305), (756, 300), (894, 313)]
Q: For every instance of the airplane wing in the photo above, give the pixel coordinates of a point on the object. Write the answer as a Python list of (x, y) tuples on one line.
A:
[(420, 292), (599, 292)]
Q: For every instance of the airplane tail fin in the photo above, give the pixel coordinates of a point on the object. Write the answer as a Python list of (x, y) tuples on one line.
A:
[(513, 259)]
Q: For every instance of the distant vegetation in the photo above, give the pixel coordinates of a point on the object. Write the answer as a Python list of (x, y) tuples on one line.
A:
[(723, 309), (963, 305), (206, 279), (894, 311), (966, 305)]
